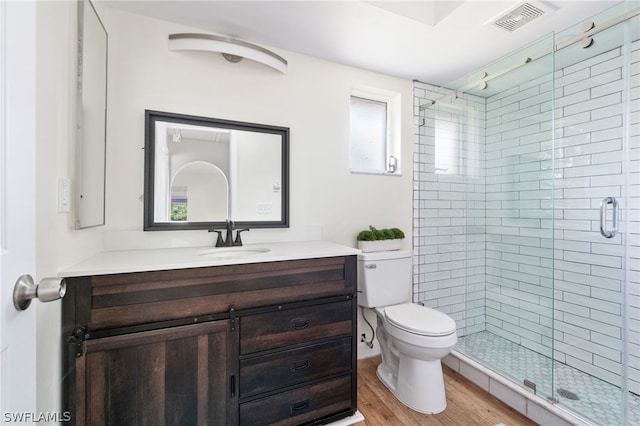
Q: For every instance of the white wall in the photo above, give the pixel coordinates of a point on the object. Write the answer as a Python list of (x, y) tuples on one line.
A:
[(312, 100), (57, 243)]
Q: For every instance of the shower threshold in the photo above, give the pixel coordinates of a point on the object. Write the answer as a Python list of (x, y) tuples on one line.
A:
[(576, 392)]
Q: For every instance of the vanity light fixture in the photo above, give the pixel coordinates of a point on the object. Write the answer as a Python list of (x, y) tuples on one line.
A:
[(232, 49)]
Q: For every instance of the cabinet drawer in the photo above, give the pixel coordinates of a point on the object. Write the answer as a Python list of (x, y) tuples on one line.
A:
[(291, 326), (129, 299), (282, 369), (299, 405)]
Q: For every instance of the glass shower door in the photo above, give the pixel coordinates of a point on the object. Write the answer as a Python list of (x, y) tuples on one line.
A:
[(528, 215), (596, 211)]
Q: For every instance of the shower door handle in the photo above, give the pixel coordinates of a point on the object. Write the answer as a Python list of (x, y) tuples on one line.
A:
[(603, 217)]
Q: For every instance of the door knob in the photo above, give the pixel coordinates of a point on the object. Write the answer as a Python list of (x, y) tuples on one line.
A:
[(47, 290)]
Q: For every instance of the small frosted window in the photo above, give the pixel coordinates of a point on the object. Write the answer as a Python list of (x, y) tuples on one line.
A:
[(447, 146), (368, 134)]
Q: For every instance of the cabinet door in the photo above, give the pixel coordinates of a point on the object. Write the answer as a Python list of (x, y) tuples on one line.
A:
[(174, 376)]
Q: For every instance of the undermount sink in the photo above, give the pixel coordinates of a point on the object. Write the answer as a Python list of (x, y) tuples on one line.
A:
[(227, 253)]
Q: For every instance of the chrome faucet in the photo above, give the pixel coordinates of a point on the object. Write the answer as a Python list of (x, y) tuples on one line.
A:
[(228, 240)]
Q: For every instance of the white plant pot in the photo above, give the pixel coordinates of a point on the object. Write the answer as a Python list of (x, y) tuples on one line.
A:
[(380, 245)]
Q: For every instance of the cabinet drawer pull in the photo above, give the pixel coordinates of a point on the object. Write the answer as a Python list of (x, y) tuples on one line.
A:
[(299, 324), (300, 365), (298, 406)]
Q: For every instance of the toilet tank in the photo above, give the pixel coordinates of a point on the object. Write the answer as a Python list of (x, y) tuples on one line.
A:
[(384, 278)]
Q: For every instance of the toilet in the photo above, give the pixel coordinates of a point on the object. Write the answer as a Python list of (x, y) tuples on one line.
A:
[(413, 338)]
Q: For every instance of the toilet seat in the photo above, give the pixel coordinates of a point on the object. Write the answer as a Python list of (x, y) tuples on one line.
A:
[(418, 319)]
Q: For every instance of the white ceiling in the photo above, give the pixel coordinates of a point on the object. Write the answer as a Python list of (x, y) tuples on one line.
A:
[(431, 41)]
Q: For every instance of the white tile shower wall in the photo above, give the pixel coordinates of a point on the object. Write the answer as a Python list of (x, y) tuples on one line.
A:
[(487, 230), (449, 204), (519, 230)]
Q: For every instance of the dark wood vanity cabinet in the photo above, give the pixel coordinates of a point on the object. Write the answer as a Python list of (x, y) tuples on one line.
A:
[(253, 344)]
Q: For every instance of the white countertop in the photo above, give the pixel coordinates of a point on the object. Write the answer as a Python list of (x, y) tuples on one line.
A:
[(122, 261)]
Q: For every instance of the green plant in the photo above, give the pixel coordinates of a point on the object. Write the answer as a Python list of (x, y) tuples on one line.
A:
[(366, 236), (179, 211), (373, 234), (397, 233)]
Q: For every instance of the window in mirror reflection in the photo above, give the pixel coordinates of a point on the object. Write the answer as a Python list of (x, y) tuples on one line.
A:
[(179, 201)]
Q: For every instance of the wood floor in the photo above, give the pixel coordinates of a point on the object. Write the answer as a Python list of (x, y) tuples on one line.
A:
[(467, 403)]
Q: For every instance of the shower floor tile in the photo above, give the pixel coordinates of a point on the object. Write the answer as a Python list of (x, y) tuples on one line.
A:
[(599, 401)]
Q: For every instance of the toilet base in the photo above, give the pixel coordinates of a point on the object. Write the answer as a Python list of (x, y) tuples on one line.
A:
[(418, 384)]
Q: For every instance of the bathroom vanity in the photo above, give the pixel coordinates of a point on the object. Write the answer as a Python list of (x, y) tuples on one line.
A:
[(187, 336)]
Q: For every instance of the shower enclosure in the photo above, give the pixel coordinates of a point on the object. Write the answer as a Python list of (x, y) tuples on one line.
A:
[(527, 215)]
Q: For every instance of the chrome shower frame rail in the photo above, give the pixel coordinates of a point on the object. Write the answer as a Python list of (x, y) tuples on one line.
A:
[(586, 35)]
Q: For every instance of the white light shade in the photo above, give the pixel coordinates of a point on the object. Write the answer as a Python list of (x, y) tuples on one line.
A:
[(229, 46)]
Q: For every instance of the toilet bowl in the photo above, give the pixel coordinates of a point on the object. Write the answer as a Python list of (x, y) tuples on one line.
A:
[(411, 366), (413, 338)]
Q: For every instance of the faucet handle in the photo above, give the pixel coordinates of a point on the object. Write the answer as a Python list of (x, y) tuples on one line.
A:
[(219, 241), (238, 241)]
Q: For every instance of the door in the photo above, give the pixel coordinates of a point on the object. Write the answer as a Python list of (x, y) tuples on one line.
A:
[(596, 237), (17, 207), (171, 376)]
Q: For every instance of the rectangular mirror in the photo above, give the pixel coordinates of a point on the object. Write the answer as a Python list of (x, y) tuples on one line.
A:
[(91, 117), (201, 171)]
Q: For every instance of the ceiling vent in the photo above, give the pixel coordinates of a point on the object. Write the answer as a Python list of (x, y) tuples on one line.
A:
[(519, 16)]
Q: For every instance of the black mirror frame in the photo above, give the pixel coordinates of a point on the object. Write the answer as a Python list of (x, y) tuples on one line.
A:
[(149, 170)]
